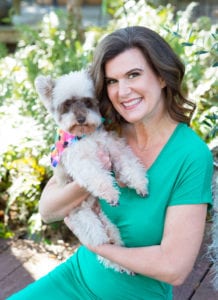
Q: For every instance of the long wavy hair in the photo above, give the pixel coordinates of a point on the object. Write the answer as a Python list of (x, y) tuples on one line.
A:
[(160, 57)]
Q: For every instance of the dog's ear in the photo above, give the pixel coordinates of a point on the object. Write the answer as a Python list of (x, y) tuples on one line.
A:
[(44, 86)]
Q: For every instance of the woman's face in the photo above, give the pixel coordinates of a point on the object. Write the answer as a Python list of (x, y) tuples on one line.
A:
[(133, 88)]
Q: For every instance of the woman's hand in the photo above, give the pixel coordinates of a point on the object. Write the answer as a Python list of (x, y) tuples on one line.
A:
[(104, 157), (57, 201), (106, 161), (101, 249)]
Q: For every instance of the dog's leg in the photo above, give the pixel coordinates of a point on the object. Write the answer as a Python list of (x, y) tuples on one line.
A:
[(86, 224), (132, 173), (114, 238), (127, 167), (93, 229), (87, 171), (112, 231)]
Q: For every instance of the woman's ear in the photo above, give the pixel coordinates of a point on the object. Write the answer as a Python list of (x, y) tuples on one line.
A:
[(162, 82)]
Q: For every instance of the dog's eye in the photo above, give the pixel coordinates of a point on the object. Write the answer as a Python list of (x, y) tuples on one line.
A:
[(88, 102), (66, 106)]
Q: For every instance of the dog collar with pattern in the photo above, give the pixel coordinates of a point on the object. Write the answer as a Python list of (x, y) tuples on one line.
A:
[(63, 139)]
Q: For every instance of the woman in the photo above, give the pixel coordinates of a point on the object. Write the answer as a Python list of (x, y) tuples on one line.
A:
[(138, 80)]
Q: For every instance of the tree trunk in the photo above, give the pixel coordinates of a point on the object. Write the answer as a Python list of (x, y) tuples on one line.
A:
[(75, 18), (17, 6)]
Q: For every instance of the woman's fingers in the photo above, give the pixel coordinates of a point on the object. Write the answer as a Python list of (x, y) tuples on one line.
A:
[(105, 159)]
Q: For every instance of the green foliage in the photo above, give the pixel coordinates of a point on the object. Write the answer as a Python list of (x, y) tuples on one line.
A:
[(197, 45), (27, 132), (4, 232), (59, 45), (3, 50), (24, 169)]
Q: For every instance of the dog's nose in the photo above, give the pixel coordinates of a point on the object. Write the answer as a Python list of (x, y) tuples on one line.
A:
[(81, 120)]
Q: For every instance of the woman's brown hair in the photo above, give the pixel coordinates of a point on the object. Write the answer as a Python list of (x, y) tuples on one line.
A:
[(161, 58)]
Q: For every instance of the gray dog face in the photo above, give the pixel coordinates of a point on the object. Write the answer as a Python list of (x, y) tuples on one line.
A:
[(79, 107), (71, 100), (78, 115)]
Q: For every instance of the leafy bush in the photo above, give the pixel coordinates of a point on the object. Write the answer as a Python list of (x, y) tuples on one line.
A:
[(58, 46), (27, 132)]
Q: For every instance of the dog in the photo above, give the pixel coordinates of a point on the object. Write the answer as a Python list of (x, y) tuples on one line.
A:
[(71, 100)]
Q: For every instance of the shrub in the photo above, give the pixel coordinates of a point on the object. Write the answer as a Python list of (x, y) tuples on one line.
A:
[(27, 132)]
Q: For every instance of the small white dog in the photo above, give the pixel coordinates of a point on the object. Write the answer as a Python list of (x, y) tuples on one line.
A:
[(72, 102)]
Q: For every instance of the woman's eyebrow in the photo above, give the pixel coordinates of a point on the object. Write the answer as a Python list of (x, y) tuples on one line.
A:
[(108, 78), (127, 72), (135, 70)]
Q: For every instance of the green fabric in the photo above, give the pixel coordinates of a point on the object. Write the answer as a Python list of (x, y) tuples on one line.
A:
[(180, 175)]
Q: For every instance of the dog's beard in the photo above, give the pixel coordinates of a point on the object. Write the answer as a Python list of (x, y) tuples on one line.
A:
[(80, 130)]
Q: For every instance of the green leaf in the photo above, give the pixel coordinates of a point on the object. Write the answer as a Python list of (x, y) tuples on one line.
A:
[(187, 44), (214, 36), (206, 123), (213, 117), (201, 52), (176, 34), (215, 46)]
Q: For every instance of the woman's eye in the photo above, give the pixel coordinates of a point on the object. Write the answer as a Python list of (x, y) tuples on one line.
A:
[(110, 81), (133, 75)]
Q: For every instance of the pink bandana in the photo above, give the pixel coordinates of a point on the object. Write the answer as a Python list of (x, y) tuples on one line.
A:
[(63, 139)]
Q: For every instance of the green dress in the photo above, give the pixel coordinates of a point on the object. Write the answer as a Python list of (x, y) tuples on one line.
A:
[(181, 174)]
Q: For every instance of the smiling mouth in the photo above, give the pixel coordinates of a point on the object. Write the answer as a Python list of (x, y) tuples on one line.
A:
[(131, 103)]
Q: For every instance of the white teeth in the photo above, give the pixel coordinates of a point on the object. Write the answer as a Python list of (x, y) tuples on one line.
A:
[(131, 103)]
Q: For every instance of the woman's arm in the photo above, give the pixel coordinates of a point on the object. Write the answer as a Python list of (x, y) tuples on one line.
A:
[(173, 259), (57, 201)]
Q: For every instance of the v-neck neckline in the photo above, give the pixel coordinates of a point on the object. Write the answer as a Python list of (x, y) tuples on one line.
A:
[(165, 147)]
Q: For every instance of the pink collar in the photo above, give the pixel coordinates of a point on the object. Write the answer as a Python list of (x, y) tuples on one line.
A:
[(62, 140)]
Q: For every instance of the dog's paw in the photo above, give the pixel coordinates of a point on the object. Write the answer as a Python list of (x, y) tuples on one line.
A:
[(143, 192), (122, 270), (141, 187), (114, 203), (112, 197), (109, 264)]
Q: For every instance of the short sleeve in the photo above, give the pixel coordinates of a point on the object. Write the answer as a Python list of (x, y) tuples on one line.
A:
[(194, 182)]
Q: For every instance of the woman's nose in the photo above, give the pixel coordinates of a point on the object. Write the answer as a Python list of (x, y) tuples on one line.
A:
[(124, 89)]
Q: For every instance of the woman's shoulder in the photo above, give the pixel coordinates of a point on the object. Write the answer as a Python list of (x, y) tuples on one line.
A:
[(190, 141), (187, 148)]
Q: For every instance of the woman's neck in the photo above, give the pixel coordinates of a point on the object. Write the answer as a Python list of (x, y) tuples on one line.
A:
[(148, 139), (145, 134)]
